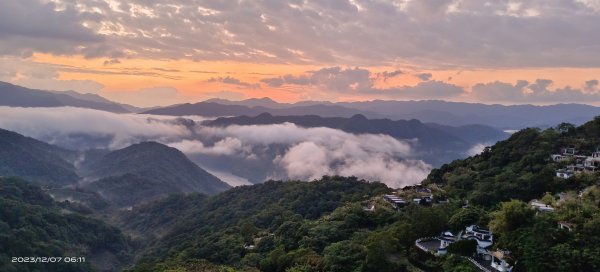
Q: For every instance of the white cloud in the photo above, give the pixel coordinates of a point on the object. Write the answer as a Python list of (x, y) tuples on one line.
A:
[(477, 149), (292, 151), (60, 125)]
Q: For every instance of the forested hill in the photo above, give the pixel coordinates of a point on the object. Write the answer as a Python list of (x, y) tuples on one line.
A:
[(35, 160), (148, 170), (519, 167), (32, 224), (217, 228)]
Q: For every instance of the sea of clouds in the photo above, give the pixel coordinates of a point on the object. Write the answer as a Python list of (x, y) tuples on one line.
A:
[(293, 152)]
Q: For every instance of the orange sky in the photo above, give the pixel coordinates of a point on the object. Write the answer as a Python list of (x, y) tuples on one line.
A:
[(161, 52), (190, 77)]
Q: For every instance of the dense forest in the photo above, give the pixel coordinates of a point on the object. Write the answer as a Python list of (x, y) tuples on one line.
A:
[(331, 224), (33, 224)]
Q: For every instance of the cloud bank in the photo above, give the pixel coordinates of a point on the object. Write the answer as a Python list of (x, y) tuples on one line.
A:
[(292, 152), (354, 32)]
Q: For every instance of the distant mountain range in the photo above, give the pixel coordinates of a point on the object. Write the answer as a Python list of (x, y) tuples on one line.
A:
[(17, 96), (511, 117), (441, 112), (429, 135)]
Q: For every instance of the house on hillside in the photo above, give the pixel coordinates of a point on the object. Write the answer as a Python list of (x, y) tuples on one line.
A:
[(446, 239), (396, 201), (482, 236), (540, 206), (568, 151), (565, 173), (558, 157), (500, 261), (565, 225)]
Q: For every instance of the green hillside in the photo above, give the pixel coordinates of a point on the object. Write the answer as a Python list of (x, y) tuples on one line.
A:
[(32, 224), (34, 160), (520, 167)]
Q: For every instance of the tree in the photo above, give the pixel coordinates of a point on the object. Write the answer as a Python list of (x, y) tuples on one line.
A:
[(464, 218), (511, 215), (344, 256), (463, 247)]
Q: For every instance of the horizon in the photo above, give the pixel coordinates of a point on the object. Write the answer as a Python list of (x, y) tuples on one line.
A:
[(177, 52)]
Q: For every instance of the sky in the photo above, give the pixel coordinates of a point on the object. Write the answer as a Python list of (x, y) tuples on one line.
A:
[(161, 52)]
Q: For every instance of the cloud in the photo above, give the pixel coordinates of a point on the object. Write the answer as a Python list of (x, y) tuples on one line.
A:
[(362, 81), (233, 81), (66, 126), (229, 95), (289, 151), (477, 149), (432, 89), (445, 33), (314, 152), (424, 76), (385, 75), (34, 26), (111, 62), (540, 91), (227, 146), (591, 85), (39, 76), (146, 97)]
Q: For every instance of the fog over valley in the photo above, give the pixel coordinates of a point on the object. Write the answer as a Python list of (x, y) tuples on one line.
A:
[(253, 152)]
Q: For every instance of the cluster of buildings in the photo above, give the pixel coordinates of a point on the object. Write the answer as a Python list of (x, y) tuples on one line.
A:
[(485, 259), (411, 194), (578, 163)]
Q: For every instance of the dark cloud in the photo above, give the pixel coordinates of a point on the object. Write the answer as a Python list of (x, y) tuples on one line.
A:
[(432, 89), (446, 33), (540, 91), (29, 26), (233, 81), (424, 76), (385, 75), (591, 85), (166, 70), (111, 61), (362, 81)]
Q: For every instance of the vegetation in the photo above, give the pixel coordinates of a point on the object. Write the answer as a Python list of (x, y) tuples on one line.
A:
[(34, 160), (32, 224), (324, 225)]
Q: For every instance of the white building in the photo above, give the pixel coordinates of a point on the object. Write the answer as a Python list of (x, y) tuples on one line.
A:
[(499, 262), (540, 206), (483, 237), (565, 173)]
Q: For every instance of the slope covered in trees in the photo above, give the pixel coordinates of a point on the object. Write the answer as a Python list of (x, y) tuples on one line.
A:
[(519, 167), (32, 224), (35, 160), (148, 170)]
